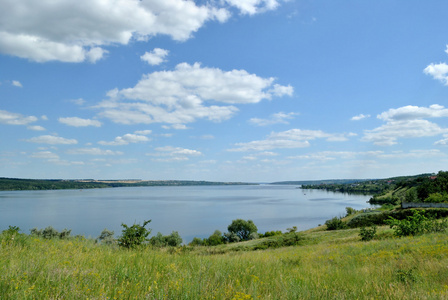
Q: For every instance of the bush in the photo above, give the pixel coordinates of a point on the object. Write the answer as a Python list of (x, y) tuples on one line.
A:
[(287, 239), (134, 236), (416, 224), (196, 242), (106, 237), (12, 236), (335, 224), (367, 234), (159, 240), (350, 211), (270, 233), (51, 233), (242, 228), (215, 239), (231, 237)]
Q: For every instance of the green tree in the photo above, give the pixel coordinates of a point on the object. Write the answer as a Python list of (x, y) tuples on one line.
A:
[(134, 235), (242, 228)]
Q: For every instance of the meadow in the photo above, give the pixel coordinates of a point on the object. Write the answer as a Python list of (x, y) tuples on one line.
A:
[(325, 265)]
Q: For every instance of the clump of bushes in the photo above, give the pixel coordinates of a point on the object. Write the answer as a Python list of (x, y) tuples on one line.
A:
[(416, 224), (335, 224), (172, 240), (106, 237), (51, 233), (367, 234), (284, 240)]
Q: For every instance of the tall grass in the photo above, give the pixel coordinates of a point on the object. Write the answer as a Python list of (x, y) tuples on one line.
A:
[(332, 265)]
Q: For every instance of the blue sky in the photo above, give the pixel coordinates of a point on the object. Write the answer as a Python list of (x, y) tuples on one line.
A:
[(247, 90)]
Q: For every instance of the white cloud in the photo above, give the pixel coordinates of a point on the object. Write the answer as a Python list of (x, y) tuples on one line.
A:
[(360, 117), (52, 140), (45, 155), (126, 139), (252, 7), (10, 118), (76, 31), (438, 71), (36, 128), (78, 122), (155, 57), (442, 142), (414, 112), (93, 151), (277, 118), (143, 132), (406, 122), (16, 83), (181, 96), (293, 138), (172, 154)]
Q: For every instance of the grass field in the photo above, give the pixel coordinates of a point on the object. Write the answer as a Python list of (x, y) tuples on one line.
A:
[(327, 265)]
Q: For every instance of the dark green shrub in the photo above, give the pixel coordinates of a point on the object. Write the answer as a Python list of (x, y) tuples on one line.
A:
[(196, 242), (270, 233), (215, 239), (416, 224), (159, 240), (134, 235), (12, 236), (106, 237), (367, 234), (285, 240), (50, 233), (335, 224), (231, 237), (174, 239), (350, 211), (242, 228)]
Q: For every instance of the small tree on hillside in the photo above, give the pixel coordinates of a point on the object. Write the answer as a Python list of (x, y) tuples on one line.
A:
[(134, 235), (242, 228)]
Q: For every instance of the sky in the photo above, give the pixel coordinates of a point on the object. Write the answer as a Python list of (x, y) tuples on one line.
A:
[(223, 90)]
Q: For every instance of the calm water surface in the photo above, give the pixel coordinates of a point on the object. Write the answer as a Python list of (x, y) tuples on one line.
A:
[(193, 211)]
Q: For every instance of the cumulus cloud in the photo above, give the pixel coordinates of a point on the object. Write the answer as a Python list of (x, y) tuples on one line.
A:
[(293, 138), (252, 7), (172, 154), (76, 31), (277, 118), (93, 151), (438, 71), (79, 122), (126, 139), (360, 117), (52, 140), (155, 57), (10, 118), (183, 95), (406, 122)]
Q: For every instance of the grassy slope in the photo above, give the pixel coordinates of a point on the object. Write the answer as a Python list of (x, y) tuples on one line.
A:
[(328, 265)]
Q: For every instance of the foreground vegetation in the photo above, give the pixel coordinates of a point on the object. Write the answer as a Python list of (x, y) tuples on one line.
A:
[(324, 265)]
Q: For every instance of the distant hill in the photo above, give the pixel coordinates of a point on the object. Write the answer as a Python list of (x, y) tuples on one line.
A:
[(15, 184), (326, 181)]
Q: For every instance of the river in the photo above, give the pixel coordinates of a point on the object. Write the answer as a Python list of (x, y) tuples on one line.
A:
[(193, 211)]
